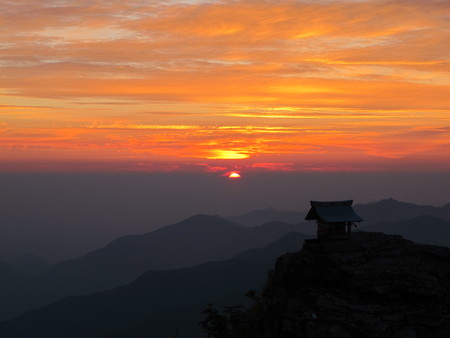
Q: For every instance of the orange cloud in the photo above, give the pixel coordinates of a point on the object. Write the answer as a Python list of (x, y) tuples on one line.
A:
[(249, 81)]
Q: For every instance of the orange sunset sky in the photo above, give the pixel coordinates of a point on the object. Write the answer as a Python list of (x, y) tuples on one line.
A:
[(225, 85)]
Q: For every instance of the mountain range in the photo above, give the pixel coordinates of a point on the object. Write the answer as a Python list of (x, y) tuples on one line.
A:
[(380, 211), (389, 210), (161, 280), (193, 241), (156, 303), (422, 229)]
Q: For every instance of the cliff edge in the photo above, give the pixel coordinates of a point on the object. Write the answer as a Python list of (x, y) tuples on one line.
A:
[(374, 285)]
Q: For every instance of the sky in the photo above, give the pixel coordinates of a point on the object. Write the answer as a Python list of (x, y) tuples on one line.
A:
[(214, 86)]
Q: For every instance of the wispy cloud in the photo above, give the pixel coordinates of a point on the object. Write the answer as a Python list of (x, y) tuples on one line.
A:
[(248, 80)]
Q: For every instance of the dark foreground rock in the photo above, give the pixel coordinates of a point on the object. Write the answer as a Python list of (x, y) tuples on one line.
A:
[(375, 285)]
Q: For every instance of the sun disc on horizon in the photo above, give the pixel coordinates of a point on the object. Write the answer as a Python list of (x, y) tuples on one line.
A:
[(234, 174)]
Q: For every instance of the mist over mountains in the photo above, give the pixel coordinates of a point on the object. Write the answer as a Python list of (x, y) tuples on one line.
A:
[(161, 279), (194, 241), (159, 301)]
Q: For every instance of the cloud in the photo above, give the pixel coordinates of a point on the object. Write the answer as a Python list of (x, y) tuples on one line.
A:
[(195, 79)]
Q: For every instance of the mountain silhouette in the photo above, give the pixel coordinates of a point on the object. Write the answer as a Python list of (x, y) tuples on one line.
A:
[(156, 303), (191, 242), (188, 243), (393, 210), (423, 229), (260, 216), (380, 211)]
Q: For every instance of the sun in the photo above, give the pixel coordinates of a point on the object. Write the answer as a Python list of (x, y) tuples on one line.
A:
[(234, 174)]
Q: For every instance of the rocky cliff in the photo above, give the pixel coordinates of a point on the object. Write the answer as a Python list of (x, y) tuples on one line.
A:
[(375, 285)]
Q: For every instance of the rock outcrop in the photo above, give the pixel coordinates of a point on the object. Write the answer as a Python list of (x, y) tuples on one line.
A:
[(374, 285)]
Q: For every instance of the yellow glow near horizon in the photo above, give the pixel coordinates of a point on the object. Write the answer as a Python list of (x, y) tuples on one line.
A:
[(227, 155)]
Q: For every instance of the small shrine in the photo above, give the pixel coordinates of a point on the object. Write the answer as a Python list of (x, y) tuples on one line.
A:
[(334, 219)]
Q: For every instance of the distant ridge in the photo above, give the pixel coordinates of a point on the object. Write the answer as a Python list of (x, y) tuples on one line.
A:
[(196, 240), (260, 216), (156, 303), (384, 210), (422, 229), (393, 210), (193, 241)]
